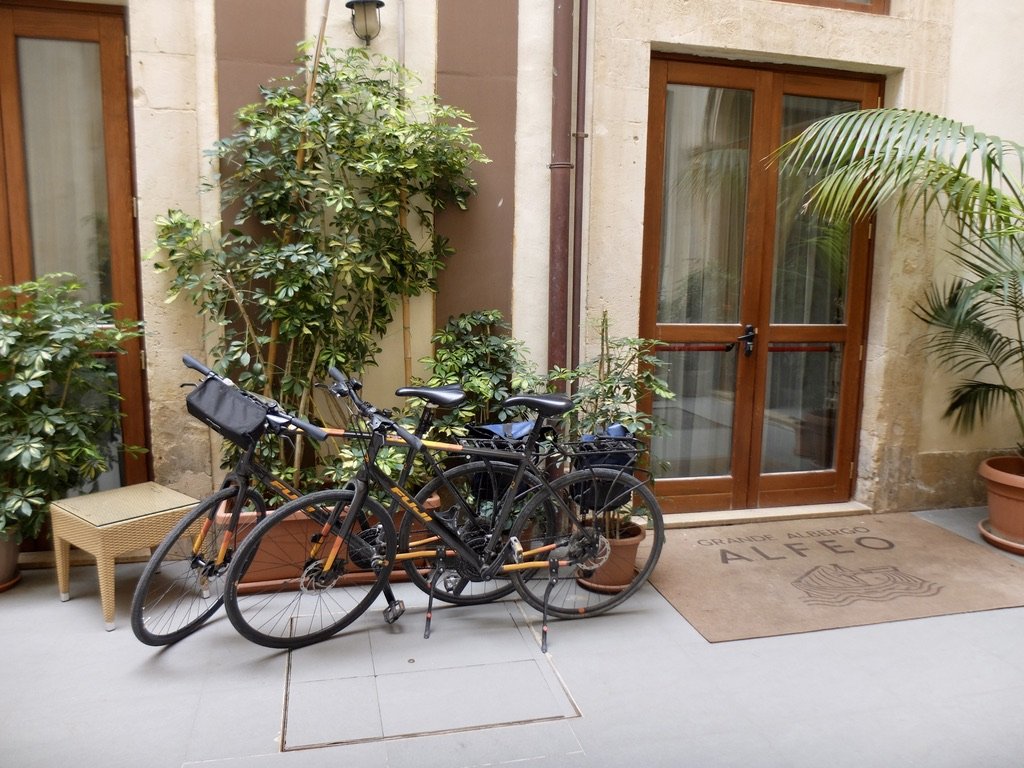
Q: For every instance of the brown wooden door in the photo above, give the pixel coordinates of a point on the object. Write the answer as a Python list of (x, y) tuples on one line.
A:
[(65, 159), (759, 306)]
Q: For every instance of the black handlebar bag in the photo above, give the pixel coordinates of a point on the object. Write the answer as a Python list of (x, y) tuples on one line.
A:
[(239, 417)]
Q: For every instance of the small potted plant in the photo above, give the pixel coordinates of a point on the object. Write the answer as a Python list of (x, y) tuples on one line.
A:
[(59, 413), (608, 392), (975, 319)]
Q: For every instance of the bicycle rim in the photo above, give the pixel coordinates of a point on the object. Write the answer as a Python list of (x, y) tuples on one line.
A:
[(182, 585), (605, 536), (292, 584)]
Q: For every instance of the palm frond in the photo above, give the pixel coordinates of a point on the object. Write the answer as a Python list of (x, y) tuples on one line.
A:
[(868, 158), (972, 402)]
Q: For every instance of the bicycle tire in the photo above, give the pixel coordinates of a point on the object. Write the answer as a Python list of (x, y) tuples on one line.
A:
[(482, 487), (591, 501), (279, 596), (180, 589)]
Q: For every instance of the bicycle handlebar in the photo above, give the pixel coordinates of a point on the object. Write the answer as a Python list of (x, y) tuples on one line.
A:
[(312, 430), (195, 365), (348, 388)]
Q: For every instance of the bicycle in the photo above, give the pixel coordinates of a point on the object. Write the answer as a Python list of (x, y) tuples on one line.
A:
[(546, 537), (181, 585)]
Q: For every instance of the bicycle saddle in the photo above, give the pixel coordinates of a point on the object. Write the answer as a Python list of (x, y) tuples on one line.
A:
[(446, 396), (545, 405)]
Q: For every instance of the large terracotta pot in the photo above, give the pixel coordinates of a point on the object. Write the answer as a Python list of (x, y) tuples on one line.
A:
[(1004, 479), (9, 574)]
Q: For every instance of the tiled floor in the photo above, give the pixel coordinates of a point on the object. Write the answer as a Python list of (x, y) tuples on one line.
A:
[(638, 687)]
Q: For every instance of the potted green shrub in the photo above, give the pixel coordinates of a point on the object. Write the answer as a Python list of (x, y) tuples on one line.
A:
[(609, 391), (331, 194), (59, 413), (975, 320), (477, 351)]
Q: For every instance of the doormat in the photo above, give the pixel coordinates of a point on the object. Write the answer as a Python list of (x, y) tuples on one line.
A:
[(762, 579)]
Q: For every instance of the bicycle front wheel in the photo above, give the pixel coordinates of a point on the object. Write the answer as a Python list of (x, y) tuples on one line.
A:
[(309, 570), (182, 585), (470, 497), (593, 548)]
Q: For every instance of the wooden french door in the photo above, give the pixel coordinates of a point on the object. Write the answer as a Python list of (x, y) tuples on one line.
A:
[(67, 201), (759, 307)]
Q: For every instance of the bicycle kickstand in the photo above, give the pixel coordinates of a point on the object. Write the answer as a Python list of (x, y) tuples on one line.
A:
[(552, 580), (434, 577), (395, 607)]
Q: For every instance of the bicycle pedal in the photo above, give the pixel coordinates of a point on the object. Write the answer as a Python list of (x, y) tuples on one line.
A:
[(517, 549), (394, 611)]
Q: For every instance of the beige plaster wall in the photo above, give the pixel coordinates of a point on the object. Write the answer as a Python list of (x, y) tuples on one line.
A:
[(174, 117)]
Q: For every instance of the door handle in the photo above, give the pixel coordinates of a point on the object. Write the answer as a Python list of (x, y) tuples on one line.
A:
[(749, 334)]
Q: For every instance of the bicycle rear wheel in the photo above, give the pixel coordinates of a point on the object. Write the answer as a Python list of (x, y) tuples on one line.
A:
[(599, 512), (469, 497), (297, 580), (182, 584)]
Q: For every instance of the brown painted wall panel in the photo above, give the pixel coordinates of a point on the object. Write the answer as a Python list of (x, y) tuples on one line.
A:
[(476, 71), (256, 41)]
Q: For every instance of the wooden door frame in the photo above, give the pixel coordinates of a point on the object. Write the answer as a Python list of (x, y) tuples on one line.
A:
[(737, 490), (104, 25)]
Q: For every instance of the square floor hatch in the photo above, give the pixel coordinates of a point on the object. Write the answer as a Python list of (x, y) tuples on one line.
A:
[(479, 669)]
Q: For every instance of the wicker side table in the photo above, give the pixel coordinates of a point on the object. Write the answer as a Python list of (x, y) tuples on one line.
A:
[(111, 523)]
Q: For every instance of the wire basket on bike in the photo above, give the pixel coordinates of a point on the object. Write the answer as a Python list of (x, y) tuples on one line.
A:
[(607, 451), (232, 413)]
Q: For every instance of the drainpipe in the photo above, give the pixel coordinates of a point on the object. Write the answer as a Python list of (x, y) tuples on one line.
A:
[(579, 138), (561, 176), (566, 216)]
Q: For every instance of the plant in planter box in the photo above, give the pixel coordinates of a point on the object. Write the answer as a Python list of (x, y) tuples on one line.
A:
[(975, 320), (336, 195), (59, 413), (477, 352)]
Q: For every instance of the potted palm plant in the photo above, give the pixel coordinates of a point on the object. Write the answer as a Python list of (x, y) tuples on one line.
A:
[(975, 320), (59, 410)]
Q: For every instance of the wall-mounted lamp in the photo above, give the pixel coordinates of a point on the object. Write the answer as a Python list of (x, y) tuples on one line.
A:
[(365, 18)]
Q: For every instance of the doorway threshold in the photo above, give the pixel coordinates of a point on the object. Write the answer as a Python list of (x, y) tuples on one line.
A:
[(766, 514)]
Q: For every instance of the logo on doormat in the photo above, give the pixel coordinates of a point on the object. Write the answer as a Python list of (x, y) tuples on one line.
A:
[(838, 586)]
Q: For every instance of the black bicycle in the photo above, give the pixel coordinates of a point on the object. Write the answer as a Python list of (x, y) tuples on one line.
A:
[(537, 516), (182, 585)]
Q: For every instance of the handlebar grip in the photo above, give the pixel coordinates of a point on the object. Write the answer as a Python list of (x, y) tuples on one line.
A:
[(195, 365), (337, 375), (310, 429)]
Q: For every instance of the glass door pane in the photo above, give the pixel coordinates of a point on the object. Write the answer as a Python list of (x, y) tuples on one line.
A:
[(800, 407), (699, 420), (812, 256), (65, 161), (707, 160)]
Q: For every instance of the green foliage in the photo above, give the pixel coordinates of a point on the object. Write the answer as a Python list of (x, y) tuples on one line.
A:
[(59, 404), (341, 193), (477, 352), (610, 387), (976, 182)]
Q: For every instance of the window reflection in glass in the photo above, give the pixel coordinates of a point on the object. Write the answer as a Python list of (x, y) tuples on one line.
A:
[(697, 440), (800, 407), (707, 161), (811, 262)]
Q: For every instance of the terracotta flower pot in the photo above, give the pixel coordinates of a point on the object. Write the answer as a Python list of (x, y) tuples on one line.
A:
[(1004, 479), (620, 568), (9, 573)]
